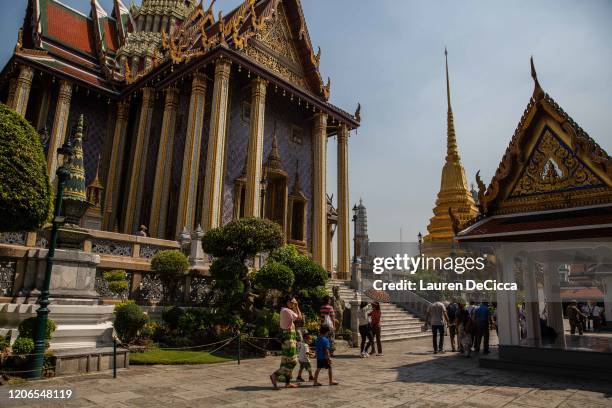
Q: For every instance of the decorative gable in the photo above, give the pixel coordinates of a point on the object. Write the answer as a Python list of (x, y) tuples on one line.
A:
[(553, 168), (550, 163), (274, 48)]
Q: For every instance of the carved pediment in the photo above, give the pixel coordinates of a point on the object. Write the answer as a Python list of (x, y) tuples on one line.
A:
[(553, 167), (274, 47)]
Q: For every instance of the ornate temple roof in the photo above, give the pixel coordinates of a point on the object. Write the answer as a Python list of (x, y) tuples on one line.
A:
[(554, 181), (119, 52)]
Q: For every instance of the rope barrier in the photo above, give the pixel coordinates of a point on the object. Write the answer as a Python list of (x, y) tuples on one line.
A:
[(194, 347)]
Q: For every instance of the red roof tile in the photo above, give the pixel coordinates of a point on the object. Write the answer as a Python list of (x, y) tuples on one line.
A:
[(69, 28)]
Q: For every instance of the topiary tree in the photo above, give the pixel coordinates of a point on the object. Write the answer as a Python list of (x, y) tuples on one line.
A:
[(25, 193), (275, 275), (170, 266), (129, 321), (117, 283), (232, 245)]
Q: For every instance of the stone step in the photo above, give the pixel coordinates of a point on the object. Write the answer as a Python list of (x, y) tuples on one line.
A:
[(402, 337)]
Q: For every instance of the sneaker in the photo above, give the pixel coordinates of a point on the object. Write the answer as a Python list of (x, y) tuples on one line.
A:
[(363, 355), (441, 351), (380, 354)]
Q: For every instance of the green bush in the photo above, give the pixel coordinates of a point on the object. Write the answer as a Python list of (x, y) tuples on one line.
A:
[(4, 344), (25, 193), (23, 345), (308, 273), (117, 282), (267, 324), (228, 269), (243, 238), (275, 275), (170, 266), (115, 275), (171, 316), (27, 328), (129, 321)]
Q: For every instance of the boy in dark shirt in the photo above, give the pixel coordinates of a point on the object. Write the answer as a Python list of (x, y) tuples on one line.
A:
[(323, 347)]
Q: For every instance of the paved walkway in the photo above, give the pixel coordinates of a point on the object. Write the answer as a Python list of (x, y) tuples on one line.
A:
[(409, 375)]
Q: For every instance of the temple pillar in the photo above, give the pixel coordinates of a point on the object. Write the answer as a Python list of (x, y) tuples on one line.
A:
[(532, 309), (213, 183), (22, 90), (343, 205), (138, 165), (161, 189), (252, 198), (507, 314), (60, 125), (113, 177), (319, 216), (329, 252), (191, 157), (10, 100), (554, 307)]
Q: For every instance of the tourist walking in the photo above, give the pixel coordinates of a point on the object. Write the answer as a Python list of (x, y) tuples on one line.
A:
[(324, 356), (574, 315), (436, 317), (365, 330), (289, 354), (465, 329), (597, 314), (587, 310), (327, 317), (451, 311), (482, 318), (304, 357), (375, 326)]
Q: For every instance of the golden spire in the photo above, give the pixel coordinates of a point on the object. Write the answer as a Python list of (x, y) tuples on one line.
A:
[(452, 153), (455, 204)]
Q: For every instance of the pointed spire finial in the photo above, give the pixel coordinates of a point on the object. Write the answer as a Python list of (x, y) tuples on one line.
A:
[(451, 143), (538, 92)]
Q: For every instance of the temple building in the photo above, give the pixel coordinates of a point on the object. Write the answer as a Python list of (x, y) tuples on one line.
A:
[(455, 204), (547, 219), (192, 117)]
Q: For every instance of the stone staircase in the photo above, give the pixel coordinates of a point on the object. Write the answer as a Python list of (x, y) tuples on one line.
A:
[(397, 323)]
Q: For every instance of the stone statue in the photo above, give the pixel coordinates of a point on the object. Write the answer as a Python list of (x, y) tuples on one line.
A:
[(339, 306)]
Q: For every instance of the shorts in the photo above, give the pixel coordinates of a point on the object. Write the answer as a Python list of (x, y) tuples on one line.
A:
[(452, 330), (322, 364), (305, 365)]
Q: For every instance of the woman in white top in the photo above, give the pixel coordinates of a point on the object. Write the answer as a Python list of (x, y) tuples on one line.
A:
[(365, 330)]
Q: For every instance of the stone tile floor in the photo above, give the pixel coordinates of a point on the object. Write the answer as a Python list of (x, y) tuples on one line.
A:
[(408, 375)]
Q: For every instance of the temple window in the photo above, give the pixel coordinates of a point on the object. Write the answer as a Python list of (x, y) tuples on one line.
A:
[(296, 135), (298, 204)]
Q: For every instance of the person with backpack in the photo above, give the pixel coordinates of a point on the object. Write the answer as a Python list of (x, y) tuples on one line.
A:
[(482, 318), (451, 311)]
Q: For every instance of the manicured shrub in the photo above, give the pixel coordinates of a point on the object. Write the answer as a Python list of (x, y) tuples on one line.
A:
[(23, 345), (171, 316), (117, 283), (275, 275), (5, 344), (25, 193), (308, 273), (243, 238), (27, 328), (129, 321), (170, 266)]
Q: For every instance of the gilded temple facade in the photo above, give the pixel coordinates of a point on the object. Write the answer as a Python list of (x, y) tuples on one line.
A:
[(192, 118), (455, 205)]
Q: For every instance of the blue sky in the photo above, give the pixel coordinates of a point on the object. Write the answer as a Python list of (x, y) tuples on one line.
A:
[(389, 55)]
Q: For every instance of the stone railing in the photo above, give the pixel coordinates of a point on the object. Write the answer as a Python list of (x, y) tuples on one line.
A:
[(116, 251)]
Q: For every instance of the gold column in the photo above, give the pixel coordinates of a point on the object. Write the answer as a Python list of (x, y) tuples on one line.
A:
[(113, 178), (319, 221), (213, 183), (191, 158), (10, 100), (60, 124), (161, 190), (22, 90), (255, 152), (329, 259), (343, 205), (136, 181)]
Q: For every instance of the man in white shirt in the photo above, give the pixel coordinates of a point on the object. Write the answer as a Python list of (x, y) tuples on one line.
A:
[(436, 316), (597, 314)]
